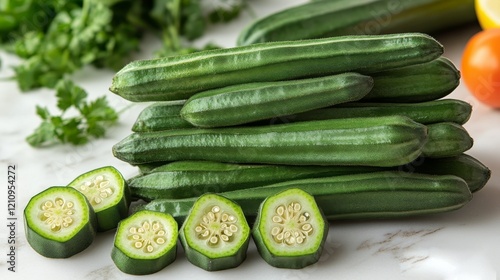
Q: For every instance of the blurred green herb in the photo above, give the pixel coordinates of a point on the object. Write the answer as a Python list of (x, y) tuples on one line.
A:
[(58, 37)]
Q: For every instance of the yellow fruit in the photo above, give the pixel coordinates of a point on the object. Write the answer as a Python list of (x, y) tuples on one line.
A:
[(488, 13)]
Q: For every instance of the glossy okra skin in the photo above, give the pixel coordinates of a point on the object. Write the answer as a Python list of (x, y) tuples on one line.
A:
[(443, 110), (179, 77), (415, 83), (193, 178), (314, 19), (436, 111), (446, 139), (241, 104), (475, 173), (384, 141), (388, 194), (161, 116)]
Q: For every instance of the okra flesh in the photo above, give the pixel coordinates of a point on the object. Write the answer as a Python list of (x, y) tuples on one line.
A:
[(145, 243), (106, 190), (290, 229), (59, 222), (215, 235)]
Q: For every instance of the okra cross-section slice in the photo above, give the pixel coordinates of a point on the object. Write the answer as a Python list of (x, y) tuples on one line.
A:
[(145, 242), (290, 229), (59, 222), (108, 194), (215, 235)]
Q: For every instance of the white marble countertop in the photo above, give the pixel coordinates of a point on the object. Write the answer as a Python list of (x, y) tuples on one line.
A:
[(464, 244)]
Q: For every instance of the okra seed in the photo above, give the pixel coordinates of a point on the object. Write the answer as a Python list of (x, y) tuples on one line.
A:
[(211, 216), (280, 210), (214, 239), (57, 214), (149, 248), (277, 219), (275, 231), (147, 236), (291, 227), (279, 236), (233, 228), (97, 189), (160, 240), (216, 225), (156, 226), (296, 207)]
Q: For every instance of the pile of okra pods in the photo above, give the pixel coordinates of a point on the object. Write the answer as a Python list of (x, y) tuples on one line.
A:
[(270, 141)]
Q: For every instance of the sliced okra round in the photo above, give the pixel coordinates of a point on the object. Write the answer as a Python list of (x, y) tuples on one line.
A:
[(59, 222), (215, 235), (108, 194), (290, 229), (145, 242)]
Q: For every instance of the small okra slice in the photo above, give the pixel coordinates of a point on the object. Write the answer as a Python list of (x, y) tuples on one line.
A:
[(107, 192), (290, 229), (59, 222), (216, 234), (145, 242)]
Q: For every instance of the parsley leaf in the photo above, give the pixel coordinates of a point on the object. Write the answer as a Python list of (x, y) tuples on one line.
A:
[(92, 120)]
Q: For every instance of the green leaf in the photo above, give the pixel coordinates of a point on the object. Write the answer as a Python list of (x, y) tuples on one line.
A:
[(43, 134), (99, 110), (43, 112), (71, 132), (68, 95)]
